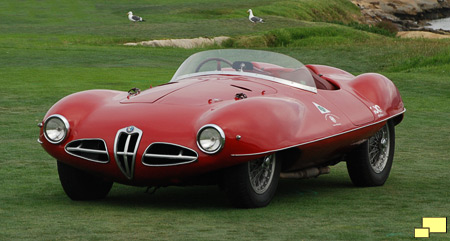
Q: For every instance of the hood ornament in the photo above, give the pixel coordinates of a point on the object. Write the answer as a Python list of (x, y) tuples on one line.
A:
[(240, 96), (133, 92)]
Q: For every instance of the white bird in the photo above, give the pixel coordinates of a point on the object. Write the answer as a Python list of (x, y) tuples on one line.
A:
[(254, 19), (134, 18)]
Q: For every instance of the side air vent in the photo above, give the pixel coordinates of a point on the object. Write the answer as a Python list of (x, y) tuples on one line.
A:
[(125, 148), (167, 154), (89, 149)]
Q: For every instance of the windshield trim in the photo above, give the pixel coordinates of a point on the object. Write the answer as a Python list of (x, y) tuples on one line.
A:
[(260, 76)]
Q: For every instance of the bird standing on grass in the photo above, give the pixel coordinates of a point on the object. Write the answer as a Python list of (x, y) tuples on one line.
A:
[(254, 19), (134, 18)]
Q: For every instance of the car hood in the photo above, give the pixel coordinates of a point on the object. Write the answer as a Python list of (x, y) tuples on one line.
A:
[(202, 91)]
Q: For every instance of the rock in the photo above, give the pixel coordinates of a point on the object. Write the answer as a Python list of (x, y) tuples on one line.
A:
[(408, 7), (405, 13)]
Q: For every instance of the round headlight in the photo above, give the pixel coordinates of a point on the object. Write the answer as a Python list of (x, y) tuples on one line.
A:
[(210, 139), (56, 128)]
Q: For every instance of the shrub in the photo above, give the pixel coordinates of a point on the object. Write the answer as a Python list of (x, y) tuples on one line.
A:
[(387, 25), (384, 29)]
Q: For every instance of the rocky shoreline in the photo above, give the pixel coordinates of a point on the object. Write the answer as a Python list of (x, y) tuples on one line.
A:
[(406, 15)]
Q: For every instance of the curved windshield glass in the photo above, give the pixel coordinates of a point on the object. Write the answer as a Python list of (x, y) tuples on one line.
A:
[(254, 63)]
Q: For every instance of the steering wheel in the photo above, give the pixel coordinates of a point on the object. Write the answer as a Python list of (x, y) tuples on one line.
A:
[(213, 59)]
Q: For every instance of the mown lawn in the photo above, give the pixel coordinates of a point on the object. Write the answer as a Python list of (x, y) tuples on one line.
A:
[(56, 48)]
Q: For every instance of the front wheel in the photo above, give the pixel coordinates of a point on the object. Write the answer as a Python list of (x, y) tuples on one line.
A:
[(253, 184), (80, 185), (370, 163)]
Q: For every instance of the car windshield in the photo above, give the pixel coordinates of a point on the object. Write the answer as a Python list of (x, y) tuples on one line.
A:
[(253, 63)]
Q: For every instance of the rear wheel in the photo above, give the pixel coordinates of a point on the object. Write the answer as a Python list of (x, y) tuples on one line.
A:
[(80, 185), (253, 184), (371, 162)]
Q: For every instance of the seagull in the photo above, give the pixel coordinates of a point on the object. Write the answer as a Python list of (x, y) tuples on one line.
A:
[(134, 18), (254, 19)]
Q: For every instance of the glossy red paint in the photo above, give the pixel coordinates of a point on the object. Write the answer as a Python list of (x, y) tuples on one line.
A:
[(273, 118)]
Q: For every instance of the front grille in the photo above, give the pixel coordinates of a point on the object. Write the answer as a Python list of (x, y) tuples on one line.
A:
[(125, 149), (89, 149), (166, 154)]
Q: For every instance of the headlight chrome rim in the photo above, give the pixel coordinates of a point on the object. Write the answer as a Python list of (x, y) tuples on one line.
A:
[(66, 127), (221, 138)]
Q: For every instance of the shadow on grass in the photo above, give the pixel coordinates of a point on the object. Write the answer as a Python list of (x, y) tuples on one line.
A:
[(289, 187), (211, 197), (192, 197)]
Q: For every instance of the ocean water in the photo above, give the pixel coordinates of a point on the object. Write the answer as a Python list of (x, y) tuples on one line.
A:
[(443, 23)]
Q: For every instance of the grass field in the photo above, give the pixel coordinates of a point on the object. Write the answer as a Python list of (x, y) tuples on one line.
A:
[(49, 49)]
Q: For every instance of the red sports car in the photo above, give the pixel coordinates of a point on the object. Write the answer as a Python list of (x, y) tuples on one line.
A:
[(237, 118)]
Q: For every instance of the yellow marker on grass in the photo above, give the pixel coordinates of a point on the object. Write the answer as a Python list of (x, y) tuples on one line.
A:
[(421, 233), (436, 225)]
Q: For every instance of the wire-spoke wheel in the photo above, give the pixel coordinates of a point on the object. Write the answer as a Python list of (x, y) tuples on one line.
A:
[(261, 172), (370, 163), (379, 150), (253, 184)]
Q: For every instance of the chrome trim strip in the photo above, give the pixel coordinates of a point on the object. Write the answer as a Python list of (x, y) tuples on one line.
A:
[(39, 141), (259, 76), (67, 149), (320, 139), (188, 159)]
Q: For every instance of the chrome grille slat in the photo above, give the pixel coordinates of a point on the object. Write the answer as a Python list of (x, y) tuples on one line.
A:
[(188, 158), (125, 149), (125, 153), (94, 150), (168, 154), (79, 149)]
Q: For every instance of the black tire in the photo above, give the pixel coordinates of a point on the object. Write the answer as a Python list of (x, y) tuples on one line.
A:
[(370, 163), (80, 185), (253, 184)]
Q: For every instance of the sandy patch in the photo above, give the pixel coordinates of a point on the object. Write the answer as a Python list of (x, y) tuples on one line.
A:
[(182, 43), (421, 34)]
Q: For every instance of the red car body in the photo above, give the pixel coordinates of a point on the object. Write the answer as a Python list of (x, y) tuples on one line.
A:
[(312, 127)]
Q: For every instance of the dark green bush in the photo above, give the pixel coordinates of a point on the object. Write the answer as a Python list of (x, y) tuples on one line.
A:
[(383, 28), (387, 25)]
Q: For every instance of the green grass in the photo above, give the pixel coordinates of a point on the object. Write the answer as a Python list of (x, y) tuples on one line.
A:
[(97, 22), (43, 60)]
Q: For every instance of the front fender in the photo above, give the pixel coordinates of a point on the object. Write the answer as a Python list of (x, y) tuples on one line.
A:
[(380, 91), (83, 103), (79, 106), (259, 124)]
